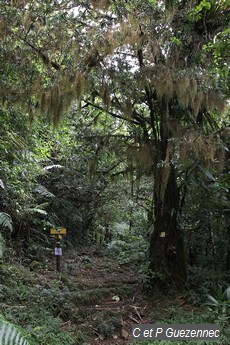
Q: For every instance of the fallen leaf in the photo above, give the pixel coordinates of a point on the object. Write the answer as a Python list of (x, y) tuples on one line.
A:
[(116, 298), (124, 333)]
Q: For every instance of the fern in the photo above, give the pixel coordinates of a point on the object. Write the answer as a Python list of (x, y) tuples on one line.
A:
[(2, 245), (53, 167), (2, 184), (10, 334), (6, 221), (37, 209), (44, 192)]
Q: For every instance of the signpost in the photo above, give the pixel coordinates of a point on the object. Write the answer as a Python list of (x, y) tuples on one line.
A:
[(61, 231), (58, 249)]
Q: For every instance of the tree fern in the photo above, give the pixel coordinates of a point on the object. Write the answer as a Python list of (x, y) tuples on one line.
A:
[(6, 221), (10, 334)]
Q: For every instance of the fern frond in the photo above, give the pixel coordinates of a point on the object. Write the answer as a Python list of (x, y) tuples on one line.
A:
[(35, 210), (16, 141), (2, 245), (53, 167), (10, 334), (2, 184), (6, 221), (44, 192)]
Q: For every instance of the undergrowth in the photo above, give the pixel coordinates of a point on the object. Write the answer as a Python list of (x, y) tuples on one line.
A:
[(40, 308), (49, 308)]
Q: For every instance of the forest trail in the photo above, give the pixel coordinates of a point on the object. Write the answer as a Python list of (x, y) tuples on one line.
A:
[(95, 299), (107, 296)]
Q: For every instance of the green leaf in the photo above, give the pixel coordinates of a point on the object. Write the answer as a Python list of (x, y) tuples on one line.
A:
[(116, 298), (214, 302), (6, 221), (227, 293), (203, 5), (210, 176), (176, 41)]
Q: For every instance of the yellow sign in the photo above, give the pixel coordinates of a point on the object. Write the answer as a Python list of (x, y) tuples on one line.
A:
[(61, 231)]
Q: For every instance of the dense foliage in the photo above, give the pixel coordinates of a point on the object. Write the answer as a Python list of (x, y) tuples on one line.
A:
[(114, 124)]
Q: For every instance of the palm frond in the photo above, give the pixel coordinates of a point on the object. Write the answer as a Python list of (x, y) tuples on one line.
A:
[(6, 221), (10, 334)]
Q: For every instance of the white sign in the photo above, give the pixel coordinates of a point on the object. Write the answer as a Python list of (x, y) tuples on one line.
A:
[(58, 251)]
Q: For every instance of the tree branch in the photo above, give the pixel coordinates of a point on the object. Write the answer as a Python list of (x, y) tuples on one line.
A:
[(43, 56), (111, 113)]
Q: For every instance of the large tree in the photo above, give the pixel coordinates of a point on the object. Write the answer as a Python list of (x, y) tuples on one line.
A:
[(141, 62)]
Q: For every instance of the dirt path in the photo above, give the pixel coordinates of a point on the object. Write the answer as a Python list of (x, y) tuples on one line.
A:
[(107, 296), (95, 298), (104, 298)]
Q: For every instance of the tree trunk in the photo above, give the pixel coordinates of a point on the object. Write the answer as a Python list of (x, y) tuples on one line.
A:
[(166, 253)]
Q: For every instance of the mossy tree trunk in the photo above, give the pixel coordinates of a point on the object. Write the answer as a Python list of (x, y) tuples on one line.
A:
[(166, 253)]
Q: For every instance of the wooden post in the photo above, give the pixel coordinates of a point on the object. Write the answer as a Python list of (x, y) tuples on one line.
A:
[(58, 254), (58, 248)]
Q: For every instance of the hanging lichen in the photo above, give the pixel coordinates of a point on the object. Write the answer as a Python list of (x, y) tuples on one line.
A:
[(56, 104), (197, 103), (18, 3), (141, 157), (128, 108), (182, 89), (106, 95), (216, 101), (79, 85), (159, 84), (192, 89), (153, 50), (112, 39), (52, 103), (44, 101), (195, 147), (27, 18), (173, 125), (100, 4)]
